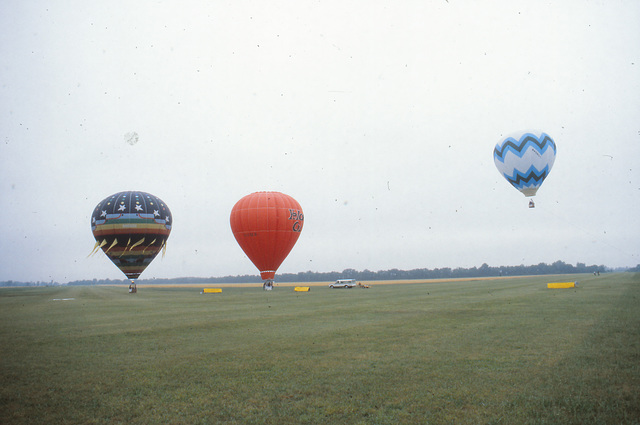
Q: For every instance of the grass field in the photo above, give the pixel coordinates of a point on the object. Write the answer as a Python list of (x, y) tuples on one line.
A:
[(506, 351)]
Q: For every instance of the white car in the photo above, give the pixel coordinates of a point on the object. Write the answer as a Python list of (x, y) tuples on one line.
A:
[(343, 283)]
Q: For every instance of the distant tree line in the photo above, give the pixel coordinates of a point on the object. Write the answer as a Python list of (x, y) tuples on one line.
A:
[(635, 269), (9, 283), (559, 267)]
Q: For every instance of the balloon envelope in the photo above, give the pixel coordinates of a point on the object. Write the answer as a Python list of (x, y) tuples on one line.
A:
[(525, 161), (267, 226), (131, 228)]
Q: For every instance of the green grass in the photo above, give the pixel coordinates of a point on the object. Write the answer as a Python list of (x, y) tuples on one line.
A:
[(495, 351)]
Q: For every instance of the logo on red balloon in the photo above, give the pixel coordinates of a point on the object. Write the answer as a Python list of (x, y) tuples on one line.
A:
[(298, 217)]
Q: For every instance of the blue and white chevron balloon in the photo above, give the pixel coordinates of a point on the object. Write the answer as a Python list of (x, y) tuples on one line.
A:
[(525, 161)]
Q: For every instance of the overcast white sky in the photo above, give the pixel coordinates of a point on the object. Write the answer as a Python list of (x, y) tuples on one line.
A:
[(379, 117)]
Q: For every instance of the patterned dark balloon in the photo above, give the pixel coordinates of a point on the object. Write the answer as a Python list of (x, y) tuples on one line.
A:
[(131, 228)]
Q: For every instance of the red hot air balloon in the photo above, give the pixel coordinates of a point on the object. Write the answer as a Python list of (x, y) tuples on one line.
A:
[(131, 228), (267, 226)]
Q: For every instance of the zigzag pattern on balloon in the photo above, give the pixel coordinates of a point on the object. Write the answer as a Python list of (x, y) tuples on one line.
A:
[(531, 178), (520, 148)]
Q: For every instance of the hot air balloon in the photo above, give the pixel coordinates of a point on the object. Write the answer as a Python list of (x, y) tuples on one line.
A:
[(131, 228), (525, 161), (267, 226)]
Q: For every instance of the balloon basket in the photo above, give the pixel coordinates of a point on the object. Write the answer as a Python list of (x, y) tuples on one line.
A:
[(268, 285)]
